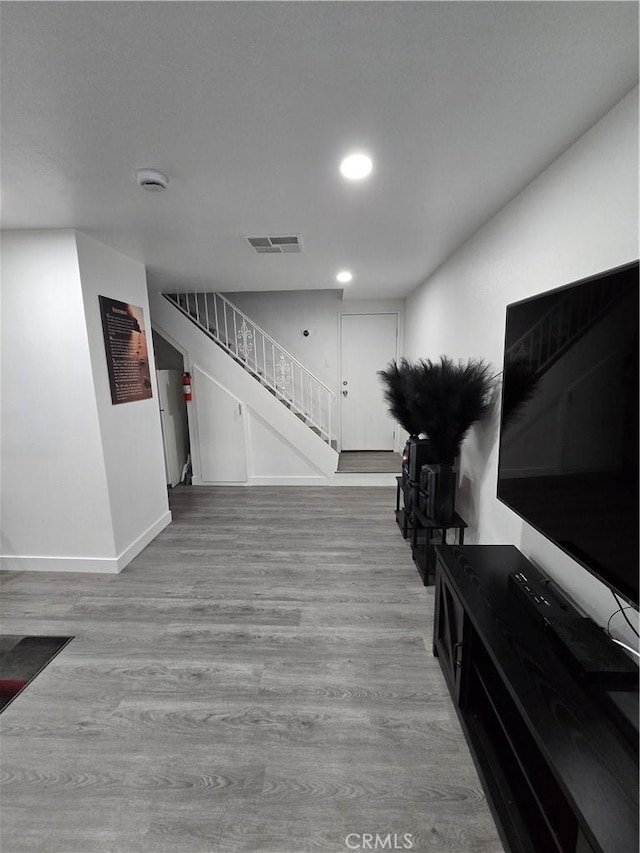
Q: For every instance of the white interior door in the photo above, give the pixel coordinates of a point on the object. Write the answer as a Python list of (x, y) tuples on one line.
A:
[(175, 428), (368, 343)]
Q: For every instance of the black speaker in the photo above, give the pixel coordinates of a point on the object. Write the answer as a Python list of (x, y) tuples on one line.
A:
[(438, 483), (417, 452)]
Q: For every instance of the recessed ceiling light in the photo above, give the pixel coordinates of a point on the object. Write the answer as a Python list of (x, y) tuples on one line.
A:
[(344, 277), (356, 166)]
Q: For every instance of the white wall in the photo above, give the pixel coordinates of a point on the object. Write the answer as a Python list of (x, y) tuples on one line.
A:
[(578, 218), (55, 503), (131, 432), (64, 502)]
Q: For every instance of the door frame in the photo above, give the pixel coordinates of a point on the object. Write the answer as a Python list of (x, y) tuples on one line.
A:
[(399, 333), (163, 424), (186, 368)]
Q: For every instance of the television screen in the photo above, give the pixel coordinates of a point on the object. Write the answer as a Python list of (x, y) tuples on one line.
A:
[(569, 425)]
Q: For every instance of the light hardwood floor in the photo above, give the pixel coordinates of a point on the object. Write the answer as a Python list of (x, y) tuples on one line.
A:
[(259, 679)]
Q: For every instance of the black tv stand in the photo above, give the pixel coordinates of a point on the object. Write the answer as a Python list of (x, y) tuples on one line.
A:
[(558, 764)]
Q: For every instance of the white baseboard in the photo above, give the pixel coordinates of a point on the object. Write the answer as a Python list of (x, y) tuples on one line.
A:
[(319, 480), (198, 481), (91, 565), (346, 479), (142, 541), (270, 481), (342, 479)]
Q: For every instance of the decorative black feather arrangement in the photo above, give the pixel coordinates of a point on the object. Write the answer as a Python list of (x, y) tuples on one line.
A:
[(400, 381), (449, 398), (441, 399)]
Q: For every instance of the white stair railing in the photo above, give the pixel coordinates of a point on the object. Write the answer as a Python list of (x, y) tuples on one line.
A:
[(289, 380)]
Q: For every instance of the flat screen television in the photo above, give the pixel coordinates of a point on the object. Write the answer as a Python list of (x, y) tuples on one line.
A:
[(568, 462)]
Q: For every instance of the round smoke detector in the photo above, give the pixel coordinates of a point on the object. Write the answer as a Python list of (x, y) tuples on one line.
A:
[(152, 180)]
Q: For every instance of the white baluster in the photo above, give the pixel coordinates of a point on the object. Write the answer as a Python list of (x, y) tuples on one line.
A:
[(206, 310), (273, 365), (197, 309), (226, 327), (235, 332), (313, 418), (215, 314)]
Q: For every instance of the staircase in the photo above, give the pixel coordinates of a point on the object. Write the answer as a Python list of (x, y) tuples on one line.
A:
[(263, 358)]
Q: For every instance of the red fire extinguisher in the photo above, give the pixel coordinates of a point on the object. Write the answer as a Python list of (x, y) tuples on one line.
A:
[(186, 386)]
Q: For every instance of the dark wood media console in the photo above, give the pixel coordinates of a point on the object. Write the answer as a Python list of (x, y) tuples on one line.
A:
[(559, 769)]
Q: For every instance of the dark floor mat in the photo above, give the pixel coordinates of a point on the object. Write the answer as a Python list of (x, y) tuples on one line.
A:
[(21, 659)]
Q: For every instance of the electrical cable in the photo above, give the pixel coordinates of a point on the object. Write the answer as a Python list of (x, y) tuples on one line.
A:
[(619, 642), (622, 609), (615, 613)]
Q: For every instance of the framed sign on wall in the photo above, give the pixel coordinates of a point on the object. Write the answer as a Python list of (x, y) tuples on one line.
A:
[(125, 342)]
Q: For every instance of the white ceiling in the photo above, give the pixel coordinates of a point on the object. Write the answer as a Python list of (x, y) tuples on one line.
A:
[(249, 108)]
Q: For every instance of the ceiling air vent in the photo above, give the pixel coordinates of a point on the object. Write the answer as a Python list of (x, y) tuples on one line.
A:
[(276, 245)]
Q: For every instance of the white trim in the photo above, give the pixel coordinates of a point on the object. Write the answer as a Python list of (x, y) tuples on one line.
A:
[(171, 340), (139, 544), (302, 480), (268, 481), (192, 428), (91, 565), (347, 479), (342, 479)]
